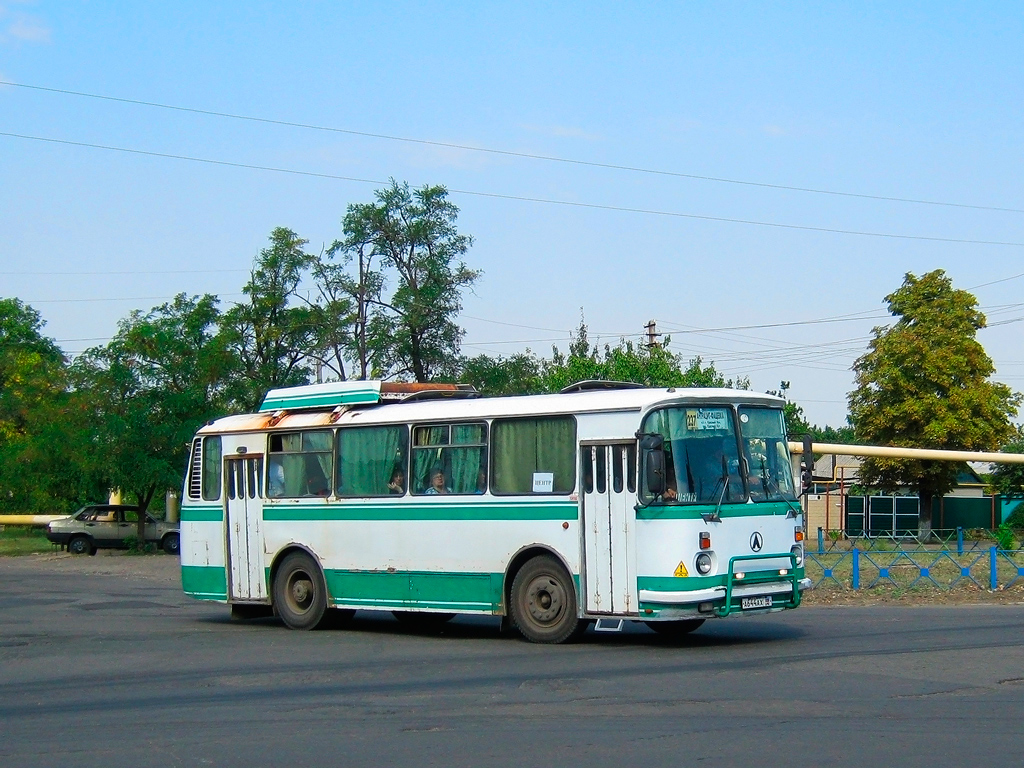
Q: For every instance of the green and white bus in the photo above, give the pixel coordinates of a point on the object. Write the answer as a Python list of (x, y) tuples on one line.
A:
[(604, 503)]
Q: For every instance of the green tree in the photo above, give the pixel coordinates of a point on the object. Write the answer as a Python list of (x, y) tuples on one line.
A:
[(145, 393), (1008, 479), (518, 374), (924, 383), (273, 333), (651, 366), (413, 237), (39, 469)]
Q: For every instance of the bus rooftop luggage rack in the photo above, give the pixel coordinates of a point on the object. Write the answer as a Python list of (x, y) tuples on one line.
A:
[(335, 393)]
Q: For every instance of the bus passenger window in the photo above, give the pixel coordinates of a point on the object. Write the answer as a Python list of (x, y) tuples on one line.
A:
[(449, 458), (533, 455), (300, 464), (212, 464), (372, 461)]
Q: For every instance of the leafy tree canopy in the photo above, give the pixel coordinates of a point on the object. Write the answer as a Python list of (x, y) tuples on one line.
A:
[(1008, 479), (924, 383)]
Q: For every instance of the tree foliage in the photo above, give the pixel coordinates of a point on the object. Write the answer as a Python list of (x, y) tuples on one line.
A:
[(924, 383), (272, 333), (144, 394), (1008, 479), (410, 237)]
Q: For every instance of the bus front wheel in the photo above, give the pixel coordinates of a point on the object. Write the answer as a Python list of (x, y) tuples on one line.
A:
[(543, 604), (300, 593)]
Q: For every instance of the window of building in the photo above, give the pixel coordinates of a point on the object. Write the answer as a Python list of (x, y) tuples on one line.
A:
[(534, 455), (300, 464), (372, 461), (449, 458)]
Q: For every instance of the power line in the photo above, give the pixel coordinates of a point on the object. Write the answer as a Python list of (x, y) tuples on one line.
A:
[(129, 272), (510, 153), (526, 199)]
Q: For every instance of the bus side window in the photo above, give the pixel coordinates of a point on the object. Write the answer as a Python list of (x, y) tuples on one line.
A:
[(532, 453), (449, 458), (372, 461), (212, 467), (300, 464)]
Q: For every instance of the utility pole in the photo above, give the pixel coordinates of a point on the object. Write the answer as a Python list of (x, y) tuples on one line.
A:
[(652, 334)]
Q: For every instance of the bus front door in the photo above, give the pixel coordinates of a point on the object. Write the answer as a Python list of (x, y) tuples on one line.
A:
[(243, 478), (608, 490)]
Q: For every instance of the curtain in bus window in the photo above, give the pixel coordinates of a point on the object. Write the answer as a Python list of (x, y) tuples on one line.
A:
[(468, 465), (367, 457), (425, 461), (526, 450)]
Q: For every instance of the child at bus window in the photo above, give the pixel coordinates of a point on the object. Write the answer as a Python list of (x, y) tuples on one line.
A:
[(481, 481)]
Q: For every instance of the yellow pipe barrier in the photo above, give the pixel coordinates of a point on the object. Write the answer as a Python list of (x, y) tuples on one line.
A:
[(909, 453), (39, 520)]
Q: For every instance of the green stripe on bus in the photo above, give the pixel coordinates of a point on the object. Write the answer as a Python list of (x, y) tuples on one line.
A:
[(205, 582), (422, 512), (688, 512), (202, 514), (416, 589)]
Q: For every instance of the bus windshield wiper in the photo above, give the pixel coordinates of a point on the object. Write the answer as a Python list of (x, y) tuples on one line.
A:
[(716, 517)]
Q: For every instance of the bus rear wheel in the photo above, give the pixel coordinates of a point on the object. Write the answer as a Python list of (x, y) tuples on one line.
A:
[(300, 593), (543, 604), (675, 629)]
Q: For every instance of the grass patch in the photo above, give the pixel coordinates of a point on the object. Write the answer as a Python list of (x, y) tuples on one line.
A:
[(22, 540)]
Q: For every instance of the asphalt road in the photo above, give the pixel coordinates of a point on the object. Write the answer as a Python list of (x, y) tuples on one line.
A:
[(103, 662)]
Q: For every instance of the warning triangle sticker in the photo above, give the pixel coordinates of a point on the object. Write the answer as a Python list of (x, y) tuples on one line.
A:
[(681, 570)]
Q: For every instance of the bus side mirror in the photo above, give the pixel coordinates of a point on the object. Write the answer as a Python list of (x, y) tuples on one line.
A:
[(652, 447), (654, 471)]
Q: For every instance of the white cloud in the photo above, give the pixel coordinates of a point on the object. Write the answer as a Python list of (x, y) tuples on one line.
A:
[(774, 130), (22, 27)]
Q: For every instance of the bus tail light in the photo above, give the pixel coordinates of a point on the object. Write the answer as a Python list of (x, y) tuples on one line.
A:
[(705, 540), (798, 534)]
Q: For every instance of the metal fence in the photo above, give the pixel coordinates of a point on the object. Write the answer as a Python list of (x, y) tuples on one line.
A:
[(947, 560)]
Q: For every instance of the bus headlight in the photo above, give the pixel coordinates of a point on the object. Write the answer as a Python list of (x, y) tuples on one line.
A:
[(798, 554), (703, 563)]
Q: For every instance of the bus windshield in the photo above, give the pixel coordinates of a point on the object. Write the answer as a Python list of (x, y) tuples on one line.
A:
[(766, 454), (702, 463)]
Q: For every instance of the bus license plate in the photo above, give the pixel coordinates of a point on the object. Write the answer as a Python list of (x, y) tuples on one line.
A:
[(746, 603)]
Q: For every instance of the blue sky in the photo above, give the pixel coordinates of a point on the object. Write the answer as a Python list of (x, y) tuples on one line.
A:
[(921, 101)]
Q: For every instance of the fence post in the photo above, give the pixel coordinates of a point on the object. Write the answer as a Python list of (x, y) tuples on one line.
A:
[(821, 541), (960, 541), (856, 568), (993, 568)]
